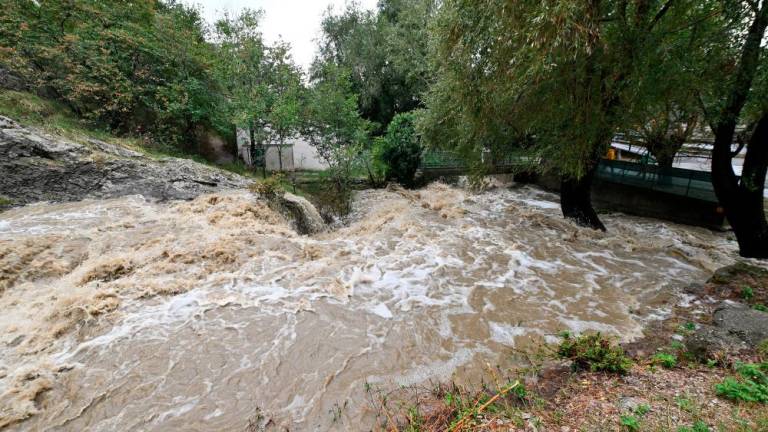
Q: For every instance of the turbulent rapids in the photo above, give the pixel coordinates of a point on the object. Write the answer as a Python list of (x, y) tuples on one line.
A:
[(125, 314)]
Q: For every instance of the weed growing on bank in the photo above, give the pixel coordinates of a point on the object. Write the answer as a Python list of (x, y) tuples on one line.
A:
[(593, 352), (749, 385)]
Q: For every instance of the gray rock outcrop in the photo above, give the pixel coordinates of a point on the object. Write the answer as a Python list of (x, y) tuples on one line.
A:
[(736, 327), (37, 167), (740, 320), (710, 342)]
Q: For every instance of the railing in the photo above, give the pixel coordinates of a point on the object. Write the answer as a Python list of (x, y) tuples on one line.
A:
[(442, 159), (446, 159), (676, 181)]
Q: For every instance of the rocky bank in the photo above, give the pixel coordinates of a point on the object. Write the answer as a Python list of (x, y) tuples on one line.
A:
[(39, 167)]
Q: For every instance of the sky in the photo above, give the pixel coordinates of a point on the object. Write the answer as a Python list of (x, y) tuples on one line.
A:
[(294, 21)]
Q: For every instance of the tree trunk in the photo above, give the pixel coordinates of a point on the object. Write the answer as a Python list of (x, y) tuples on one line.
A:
[(742, 199), (252, 144), (576, 200)]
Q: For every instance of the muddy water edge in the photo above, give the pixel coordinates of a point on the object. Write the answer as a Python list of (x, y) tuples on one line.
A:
[(126, 314)]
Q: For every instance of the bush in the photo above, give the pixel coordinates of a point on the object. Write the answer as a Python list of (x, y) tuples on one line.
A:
[(699, 426), (630, 423), (750, 385), (401, 153), (269, 187), (595, 353), (666, 360)]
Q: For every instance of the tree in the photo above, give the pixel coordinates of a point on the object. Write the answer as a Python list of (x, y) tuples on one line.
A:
[(385, 53), (558, 78), (402, 150), (742, 198), (282, 119), (241, 68), (333, 124)]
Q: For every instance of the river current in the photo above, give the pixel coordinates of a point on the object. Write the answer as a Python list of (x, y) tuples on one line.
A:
[(126, 314)]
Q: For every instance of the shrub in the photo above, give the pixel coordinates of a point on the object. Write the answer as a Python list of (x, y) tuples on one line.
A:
[(760, 307), (269, 187), (402, 150), (699, 426), (747, 292), (666, 360), (750, 385), (593, 352), (630, 423)]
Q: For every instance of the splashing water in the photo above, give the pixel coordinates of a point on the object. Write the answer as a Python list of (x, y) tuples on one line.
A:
[(126, 314)]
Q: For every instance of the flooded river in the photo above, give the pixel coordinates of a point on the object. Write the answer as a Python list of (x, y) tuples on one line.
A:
[(130, 315)]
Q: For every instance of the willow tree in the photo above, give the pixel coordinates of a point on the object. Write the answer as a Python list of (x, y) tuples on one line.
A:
[(741, 98), (561, 77)]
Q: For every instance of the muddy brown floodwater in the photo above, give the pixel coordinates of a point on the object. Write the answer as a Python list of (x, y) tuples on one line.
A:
[(130, 315)]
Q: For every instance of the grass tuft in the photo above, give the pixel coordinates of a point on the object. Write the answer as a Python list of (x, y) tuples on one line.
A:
[(593, 352)]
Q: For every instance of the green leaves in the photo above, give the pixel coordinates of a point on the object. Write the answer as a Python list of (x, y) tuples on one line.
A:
[(127, 65), (401, 152)]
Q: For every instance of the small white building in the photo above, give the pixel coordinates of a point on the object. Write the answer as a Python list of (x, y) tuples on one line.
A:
[(297, 154)]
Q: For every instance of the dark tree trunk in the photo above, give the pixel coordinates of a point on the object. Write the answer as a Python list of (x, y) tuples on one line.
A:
[(742, 199), (576, 200)]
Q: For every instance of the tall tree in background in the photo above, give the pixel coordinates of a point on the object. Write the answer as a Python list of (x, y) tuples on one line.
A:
[(333, 124), (745, 85), (241, 67), (560, 77), (385, 53), (283, 117)]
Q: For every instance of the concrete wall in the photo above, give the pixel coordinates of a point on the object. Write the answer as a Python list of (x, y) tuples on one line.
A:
[(297, 154)]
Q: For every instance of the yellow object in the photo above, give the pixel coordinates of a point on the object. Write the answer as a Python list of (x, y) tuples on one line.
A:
[(611, 154)]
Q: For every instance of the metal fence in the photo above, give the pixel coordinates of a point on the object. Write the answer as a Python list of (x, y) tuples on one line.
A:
[(676, 181), (446, 159)]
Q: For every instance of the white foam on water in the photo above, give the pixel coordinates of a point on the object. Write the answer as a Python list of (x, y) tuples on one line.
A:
[(418, 285)]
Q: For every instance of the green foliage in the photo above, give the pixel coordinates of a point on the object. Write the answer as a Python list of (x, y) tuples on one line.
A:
[(384, 52), (760, 307), (666, 360), (139, 67), (689, 326), (593, 352), (642, 410), (334, 127), (630, 423), (699, 426), (750, 385), (269, 187), (747, 292), (553, 79), (402, 150)]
